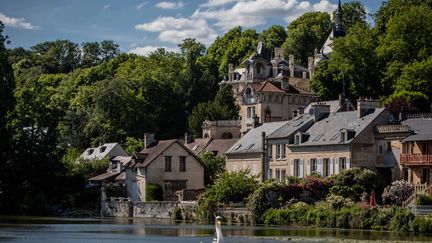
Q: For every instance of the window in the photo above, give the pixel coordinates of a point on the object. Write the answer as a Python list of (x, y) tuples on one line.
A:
[(250, 146), (326, 167), (313, 165), (283, 175), (251, 112), (283, 151), (278, 151), (343, 136), (90, 151), (297, 139), (380, 149), (389, 148), (102, 149), (278, 174), (195, 147), (167, 163), (182, 163), (270, 152), (237, 147), (342, 163), (299, 168), (270, 173)]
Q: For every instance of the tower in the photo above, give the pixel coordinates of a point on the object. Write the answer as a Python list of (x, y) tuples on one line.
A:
[(339, 30)]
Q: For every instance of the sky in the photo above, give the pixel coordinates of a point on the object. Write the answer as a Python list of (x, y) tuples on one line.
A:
[(141, 26)]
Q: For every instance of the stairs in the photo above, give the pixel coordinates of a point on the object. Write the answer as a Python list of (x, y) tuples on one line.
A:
[(418, 189)]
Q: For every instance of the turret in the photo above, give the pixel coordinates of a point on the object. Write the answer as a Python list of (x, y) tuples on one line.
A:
[(339, 29)]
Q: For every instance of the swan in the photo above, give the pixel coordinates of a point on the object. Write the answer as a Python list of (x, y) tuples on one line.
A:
[(219, 236)]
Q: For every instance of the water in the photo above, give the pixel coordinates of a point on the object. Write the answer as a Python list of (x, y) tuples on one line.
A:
[(63, 230)]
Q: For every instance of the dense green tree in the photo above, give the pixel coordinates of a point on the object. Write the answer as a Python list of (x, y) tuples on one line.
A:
[(272, 37), (60, 56), (307, 33), (109, 50), (7, 102), (353, 64), (353, 13), (416, 77), (91, 54), (213, 166)]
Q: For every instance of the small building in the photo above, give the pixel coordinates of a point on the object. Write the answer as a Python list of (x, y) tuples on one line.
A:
[(167, 163), (416, 154), (216, 146), (223, 129), (107, 150)]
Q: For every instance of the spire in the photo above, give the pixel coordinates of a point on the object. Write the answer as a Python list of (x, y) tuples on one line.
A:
[(339, 30)]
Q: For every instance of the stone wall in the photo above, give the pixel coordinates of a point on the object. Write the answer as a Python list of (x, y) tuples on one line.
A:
[(163, 210), (237, 215), (116, 209)]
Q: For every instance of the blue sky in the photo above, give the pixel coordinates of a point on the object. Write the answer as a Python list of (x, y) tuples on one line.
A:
[(141, 26)]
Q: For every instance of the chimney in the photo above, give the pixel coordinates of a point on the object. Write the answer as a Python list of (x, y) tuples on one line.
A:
[(187, 138), (318, 110), (148, 139), (291, 64), (304, 75), (365, 105), (230, 72), (279, 54)]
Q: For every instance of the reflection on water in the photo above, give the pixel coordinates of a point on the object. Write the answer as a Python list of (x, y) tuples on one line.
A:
[(31, 229)]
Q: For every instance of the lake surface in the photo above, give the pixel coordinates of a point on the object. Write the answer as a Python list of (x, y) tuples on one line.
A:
[(64, 230)]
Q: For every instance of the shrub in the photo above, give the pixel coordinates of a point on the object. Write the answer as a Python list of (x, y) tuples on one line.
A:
[(401, 219), (424, 199), (343, 191), (365, 179), (422, 225), (154, 192), (338, 202), (274, 216), (397, 192)]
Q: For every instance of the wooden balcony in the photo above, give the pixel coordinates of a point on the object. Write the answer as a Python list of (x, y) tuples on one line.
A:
[(416, 159)]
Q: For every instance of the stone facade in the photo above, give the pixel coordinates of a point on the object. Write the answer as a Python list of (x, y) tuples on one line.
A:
[(225, 129)]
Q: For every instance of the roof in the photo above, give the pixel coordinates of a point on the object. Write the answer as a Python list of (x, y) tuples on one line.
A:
[(251, 142), (101, 152), (421, 129), (154, 151), (121, 177), (104, 176), (198, 145), (157, 148), (275, 87), (327, 130), (122, 159), (334, 105), (220, 146), (328, 45), (292, 126)]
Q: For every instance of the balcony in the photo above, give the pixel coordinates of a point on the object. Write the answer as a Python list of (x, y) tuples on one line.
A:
[(416, 159)]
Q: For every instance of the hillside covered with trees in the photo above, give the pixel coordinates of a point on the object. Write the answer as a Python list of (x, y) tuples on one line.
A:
[(59, 97)]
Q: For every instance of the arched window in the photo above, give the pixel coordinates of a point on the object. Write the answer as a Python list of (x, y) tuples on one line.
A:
[(227, 135)]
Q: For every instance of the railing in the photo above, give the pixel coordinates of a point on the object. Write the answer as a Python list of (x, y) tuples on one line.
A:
[(419, 115), (416, 159), (392, 128), (418, 189)]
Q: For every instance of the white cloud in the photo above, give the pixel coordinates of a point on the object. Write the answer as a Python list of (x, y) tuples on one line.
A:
[(254, 13), (106, 7), (174, 30), (146, 50), (141, 5), (170, 5), (214, 3), (17, 22)]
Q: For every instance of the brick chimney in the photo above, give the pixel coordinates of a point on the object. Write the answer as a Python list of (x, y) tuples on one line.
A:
[(187, 138), (366, 104), (148, 139)]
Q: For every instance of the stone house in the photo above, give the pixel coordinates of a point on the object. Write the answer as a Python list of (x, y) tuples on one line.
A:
[(167, 163), (107, 150), (222, 129)]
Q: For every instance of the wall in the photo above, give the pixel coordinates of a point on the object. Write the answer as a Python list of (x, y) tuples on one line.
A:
[(162, 210), (194, 174), (251, 161), (116, 209)]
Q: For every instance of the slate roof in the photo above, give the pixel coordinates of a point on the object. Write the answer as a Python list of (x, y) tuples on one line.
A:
[(252, 141), (198, 145), (154, 151), (104, 176), (334, 105), (275, 87), (421, 129), (221, 146), (327, 130), (292, 126), (99, 153)]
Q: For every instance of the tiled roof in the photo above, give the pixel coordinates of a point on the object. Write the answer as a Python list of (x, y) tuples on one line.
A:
[(421, 129), (251, 142), (104, 176), (327, 131), (275, 87)]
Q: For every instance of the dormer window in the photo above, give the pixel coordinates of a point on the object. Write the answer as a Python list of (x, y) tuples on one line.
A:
[(102, 149), (237, 147), (90, 151), (297, 139), (343, 136)]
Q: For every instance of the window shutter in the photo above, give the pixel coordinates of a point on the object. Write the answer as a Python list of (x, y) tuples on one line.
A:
[(320, 166), (337, 166), (348, 163), (331, 161), (301, 169), (292, 167), (308, 167)]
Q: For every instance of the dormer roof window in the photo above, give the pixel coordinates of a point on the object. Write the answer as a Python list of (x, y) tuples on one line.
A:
[(102, 149), (90, 151)]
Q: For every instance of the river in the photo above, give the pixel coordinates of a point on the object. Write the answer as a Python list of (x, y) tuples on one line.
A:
[(65, 230)]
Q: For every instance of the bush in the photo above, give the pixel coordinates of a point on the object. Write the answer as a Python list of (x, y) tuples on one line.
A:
[(397, 192), (154, 192), (338, 202), (424, 199), (360, 179), (401, 219), (344, 191), (422, 225)]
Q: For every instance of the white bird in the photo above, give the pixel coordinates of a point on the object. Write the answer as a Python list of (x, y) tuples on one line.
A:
[(219, 236)]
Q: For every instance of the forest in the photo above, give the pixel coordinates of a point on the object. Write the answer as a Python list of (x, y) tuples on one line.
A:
[(59, 97)]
